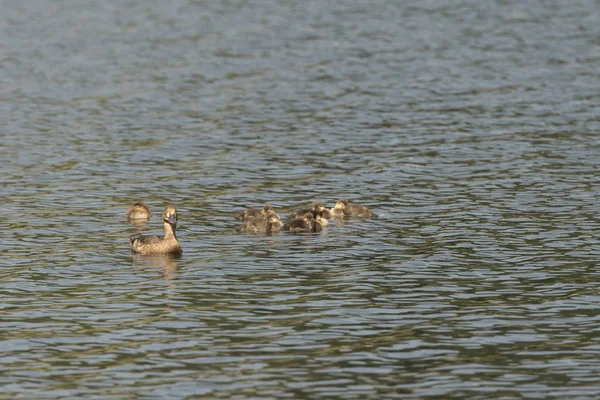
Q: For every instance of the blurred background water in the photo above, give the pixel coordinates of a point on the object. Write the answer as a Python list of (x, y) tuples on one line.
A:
[(470, 128)]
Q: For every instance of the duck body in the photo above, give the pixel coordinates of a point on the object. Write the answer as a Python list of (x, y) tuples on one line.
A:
[(338, 210), (326, 213), (154, 244), (299, 214), (300, 224), (320, 223), (138, 211), (250, 213), (317, 209), (269, 223), (343, 208), (360, 211)]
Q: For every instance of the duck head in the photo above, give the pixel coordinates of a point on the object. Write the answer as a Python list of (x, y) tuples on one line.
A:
[(341, 204), (170, 215)]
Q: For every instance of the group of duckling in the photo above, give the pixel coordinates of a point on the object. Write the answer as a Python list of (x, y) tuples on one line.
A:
[(255, 220), (313, 219)]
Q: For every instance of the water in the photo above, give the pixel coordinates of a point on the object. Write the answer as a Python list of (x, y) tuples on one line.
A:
[(470, 128)]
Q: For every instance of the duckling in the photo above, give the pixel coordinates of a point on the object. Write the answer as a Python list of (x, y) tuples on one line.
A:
[(298, 214), (273, 221), (270, 223), (351, 209), (138, 210), (323, 211), (253, 224), (301, 224), (156, 245), (253, 212), (317, 209), (323, 221), (338, 210), (319, 224), (357, 210)]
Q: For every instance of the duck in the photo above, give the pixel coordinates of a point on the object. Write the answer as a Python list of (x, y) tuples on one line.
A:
[(338, 210), (343, 208), (274, 221), (138, 211), (269, 223), (323, 211), (299, 213), (300, 224), (254, 212), (317, 209), (155, 245), (319, 223)]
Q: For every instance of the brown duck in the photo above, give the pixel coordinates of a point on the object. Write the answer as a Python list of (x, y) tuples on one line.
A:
[(343, 208), (156, 245), (319, 223), (317, 209), (254, 212), (270, 223), (138, 211), (300, 224)]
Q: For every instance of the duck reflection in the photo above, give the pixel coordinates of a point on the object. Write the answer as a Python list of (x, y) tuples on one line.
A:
[(165, 263)]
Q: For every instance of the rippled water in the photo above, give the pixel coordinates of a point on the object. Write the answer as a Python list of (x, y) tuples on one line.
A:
[(470, 128)]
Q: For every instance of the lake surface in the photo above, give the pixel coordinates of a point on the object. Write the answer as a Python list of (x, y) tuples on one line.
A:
[(470, 128)]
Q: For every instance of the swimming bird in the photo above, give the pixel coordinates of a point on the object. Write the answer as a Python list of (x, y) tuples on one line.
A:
[(344, 208), (317, 209), (319, 223), (138, 210), (270, 223), (156, 245), (338, 210), (322, 210), (274, 221), (254, 212), (300, 224)]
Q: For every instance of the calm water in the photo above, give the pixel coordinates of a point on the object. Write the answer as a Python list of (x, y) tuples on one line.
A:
[(471, 128)]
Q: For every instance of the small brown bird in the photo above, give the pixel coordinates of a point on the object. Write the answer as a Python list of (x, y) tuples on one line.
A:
[(270, 223), (343, 208), (274, 221), (320, 223), (338, 210), (155, 245), (254, 212), (138, 210), (317, 209), (300, 224), (323, 211)]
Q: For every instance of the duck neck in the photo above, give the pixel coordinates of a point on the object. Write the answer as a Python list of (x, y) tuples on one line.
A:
[(169, 230)]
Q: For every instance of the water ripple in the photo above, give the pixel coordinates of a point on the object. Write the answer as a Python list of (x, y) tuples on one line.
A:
[(470, 129)]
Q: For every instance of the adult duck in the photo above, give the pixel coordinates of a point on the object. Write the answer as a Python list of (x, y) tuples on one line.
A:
[(155, 245)]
